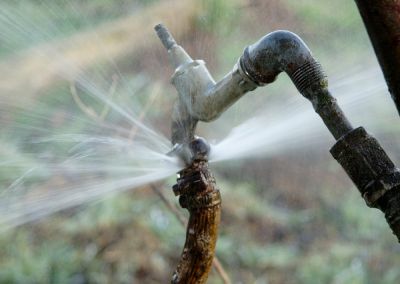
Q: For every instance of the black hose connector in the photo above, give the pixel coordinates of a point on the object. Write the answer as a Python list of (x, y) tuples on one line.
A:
[(372, 171)]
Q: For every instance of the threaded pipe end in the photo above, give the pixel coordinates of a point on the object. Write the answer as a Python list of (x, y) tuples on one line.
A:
[(307, 75)]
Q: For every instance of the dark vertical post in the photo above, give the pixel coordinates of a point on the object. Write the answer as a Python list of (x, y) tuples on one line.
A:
[(382, 21)]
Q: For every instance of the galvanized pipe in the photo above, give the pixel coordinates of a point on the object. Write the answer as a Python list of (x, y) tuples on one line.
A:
[(382, 21)]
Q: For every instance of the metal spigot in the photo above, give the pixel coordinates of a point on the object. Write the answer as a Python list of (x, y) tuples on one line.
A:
[(201, 99)]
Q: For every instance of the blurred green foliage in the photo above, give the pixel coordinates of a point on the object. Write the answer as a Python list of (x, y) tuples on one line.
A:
[(266, 236), (219, 16)]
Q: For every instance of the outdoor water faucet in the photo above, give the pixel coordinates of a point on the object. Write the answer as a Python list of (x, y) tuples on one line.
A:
[(201, 99)]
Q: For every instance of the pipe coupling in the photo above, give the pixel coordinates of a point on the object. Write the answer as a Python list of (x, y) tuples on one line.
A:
[(367, 164)]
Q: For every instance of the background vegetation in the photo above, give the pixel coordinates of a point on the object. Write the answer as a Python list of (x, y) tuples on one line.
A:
[(290, 218)]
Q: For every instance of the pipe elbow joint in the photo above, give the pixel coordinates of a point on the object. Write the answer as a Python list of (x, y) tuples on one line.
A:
[(282, 51)]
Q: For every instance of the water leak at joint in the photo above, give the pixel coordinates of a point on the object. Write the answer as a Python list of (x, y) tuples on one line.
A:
[(55, 168), (89, 135)]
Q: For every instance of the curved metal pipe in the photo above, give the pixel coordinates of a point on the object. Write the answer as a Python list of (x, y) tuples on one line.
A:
[(284, 51), (361, 156), (279, 51)]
